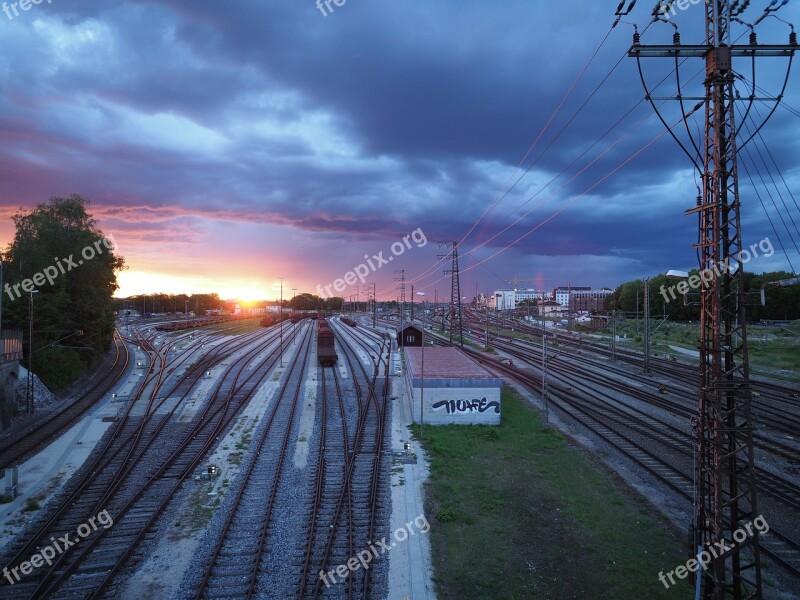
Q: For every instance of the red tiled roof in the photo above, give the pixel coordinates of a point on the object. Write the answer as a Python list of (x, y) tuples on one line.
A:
[(444, 363)]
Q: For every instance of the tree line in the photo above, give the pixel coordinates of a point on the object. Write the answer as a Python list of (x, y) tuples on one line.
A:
[(666, 298)]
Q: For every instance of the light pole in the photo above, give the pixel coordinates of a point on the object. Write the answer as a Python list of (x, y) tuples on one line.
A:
[(280, 307), (294, 325), (30, 396), (1, 310), (647, 325), (486, 315), (497, 313), (422, 378), (613, 335), (544, 369)]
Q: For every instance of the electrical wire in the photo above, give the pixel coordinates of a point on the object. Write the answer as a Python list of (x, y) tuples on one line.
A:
[(766, 212), (569, 93), (769, 193), (496, 201), (563, 208), (427, 272), (777, 168)]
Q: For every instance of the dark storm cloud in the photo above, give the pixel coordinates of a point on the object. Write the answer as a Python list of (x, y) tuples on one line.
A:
[(380, 117)]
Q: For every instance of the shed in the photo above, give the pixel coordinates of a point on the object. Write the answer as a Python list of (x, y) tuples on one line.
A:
[(453, 388), (408, 334)]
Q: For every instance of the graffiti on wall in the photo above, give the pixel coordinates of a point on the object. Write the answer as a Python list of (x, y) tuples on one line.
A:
[(466, 406)]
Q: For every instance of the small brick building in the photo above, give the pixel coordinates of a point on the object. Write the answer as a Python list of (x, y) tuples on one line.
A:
[(408, 334)]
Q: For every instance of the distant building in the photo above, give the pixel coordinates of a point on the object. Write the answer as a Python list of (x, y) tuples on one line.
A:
[(552, 308), (10, 355), (591, 301), (581, 299), (504, 300), (562, 294), (511, 299)]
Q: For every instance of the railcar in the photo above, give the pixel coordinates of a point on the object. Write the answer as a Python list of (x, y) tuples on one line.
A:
[(326, 346)]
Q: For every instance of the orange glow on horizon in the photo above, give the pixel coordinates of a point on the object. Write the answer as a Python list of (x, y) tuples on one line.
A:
[(133, 283)]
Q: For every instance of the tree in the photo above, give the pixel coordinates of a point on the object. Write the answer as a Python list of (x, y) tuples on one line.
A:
[(304, 302), (666, 297), (59, 251)]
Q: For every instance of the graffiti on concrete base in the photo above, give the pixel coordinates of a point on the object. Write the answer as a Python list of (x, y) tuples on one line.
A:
[(466, 406)]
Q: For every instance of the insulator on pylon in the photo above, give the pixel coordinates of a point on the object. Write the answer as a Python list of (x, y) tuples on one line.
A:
[(793, 38), (637, 39), (699, 200), (753, 38), (676, 38)]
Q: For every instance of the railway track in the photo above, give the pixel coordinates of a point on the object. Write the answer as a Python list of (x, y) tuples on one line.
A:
[(679, 372), (22, 443), (130, 475), (683, 405), (247, 557), (361, 492), (239, 557), (616, 427), (331, 482)]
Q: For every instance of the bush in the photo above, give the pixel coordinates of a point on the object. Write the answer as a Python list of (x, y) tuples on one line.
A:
[(445, 515), (58, 367), (491, 434)]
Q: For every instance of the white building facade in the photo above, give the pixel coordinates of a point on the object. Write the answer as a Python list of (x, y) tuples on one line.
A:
[(511, 299)]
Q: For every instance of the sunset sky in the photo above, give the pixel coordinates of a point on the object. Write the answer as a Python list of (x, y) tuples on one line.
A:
[(227, 144)]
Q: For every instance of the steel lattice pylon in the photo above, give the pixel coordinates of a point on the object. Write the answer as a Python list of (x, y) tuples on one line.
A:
[(402, 289), (726, 496), (726, 486), (456, 329)]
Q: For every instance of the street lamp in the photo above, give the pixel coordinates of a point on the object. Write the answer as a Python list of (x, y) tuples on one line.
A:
[(544, 369), (294, 325), (30, 399), (680, 276), (422, 378), (1, 310), (280, 307)]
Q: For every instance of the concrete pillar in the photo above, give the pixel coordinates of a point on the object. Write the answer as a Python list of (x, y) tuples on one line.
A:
[(11, 480)]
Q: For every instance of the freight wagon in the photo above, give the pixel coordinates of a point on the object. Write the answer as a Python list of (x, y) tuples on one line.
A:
[(326, 347)]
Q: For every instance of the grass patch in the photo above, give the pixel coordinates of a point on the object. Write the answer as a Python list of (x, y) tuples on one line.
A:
[(774, 355), (519, 513), (244, 441), (31, 504), (771, 347), (200, 514)]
